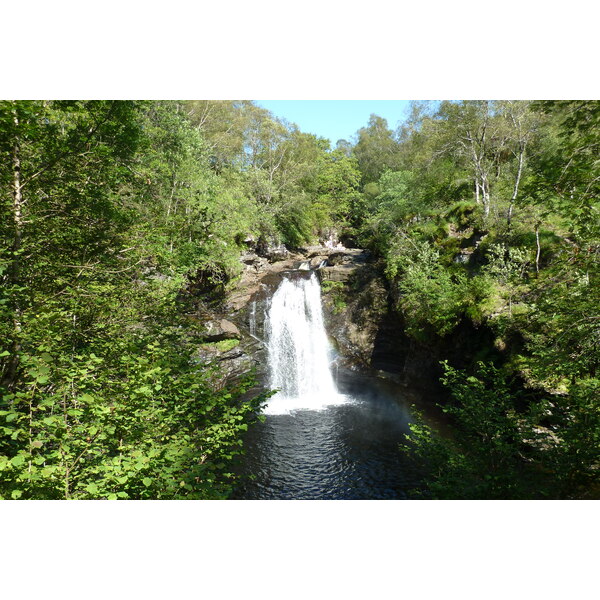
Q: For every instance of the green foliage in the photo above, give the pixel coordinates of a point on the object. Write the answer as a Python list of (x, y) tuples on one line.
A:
[(145, 426), (293, 188), (497, 448), (376, 149), (433, 298), (486, 457), (566, 172), (101, 393), (222, 346), (388, 209), (461, 213), (118, 217), (563, 332), (337, 198), (514, 184)]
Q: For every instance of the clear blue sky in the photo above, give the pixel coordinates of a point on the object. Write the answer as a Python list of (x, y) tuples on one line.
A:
[(336, 119)]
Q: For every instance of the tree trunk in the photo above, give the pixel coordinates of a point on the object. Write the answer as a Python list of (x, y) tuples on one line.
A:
[(485, 189), (17, 195), (517, 182), (537, 241), (15, 268)]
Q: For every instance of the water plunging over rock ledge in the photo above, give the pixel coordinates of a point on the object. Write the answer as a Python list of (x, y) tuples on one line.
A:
[(247, 304), (364, 331), (332, 429), (299, 353), (367, 334), (318, 441)]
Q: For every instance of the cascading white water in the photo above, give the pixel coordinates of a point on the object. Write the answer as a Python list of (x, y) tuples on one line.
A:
[(298, 349), (252, 320)]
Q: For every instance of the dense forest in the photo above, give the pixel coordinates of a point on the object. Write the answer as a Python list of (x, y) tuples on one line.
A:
[(121, 220)]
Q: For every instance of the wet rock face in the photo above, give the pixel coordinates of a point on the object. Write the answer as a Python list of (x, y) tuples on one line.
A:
[(271, 252), (368, 333), (355, 309), (341, 273), (243, 318)]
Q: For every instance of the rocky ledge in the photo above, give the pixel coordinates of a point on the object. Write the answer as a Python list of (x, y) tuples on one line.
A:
[(332, 264)]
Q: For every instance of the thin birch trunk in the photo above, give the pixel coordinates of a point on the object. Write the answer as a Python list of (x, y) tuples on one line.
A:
[(517, 182), (537, 241), (17, 193), (15, 268)]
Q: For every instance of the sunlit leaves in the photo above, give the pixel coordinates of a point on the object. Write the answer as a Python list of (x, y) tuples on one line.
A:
[(107, 401)]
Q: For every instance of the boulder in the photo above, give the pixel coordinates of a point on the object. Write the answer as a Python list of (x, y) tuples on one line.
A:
[(273, 253), (317, 261), (338, 273), (343, 264), (219, 330)]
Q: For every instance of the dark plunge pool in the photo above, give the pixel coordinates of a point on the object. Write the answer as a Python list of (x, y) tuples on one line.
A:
[(345, 451)]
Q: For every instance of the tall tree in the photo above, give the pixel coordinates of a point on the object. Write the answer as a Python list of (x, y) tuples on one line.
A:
[(376, 149)]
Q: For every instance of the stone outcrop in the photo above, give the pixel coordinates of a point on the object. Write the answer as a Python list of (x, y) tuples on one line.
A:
[(233, 363), (333, 264), (357, 308), (356, 326), (342, 265), (217, 330)]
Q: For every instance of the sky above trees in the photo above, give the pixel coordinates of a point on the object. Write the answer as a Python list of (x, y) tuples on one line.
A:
[(336, 119)]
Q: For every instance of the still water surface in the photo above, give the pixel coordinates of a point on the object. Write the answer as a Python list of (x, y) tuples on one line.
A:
[(345, 451)]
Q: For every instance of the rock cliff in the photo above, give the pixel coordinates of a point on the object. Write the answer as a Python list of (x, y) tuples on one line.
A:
[(367, 332)]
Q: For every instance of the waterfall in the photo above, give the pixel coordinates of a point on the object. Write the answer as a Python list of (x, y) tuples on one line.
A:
[(298, 348), (252, 319)]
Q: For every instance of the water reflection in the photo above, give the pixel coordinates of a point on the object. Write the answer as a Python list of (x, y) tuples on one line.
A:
[(348, 451)]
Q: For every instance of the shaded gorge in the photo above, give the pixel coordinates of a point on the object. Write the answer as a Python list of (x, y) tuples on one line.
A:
[(329, 432)]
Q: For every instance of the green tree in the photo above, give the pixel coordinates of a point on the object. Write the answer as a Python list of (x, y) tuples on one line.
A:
[(376, 149), (337, 191), (102, 394)]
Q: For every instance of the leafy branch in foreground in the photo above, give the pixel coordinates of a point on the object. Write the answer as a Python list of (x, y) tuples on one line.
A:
[(505, 446)]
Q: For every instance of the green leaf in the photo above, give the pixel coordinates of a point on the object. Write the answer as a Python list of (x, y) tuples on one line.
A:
[(18, 460), (146, 481), (16, 494), (92, 488)]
